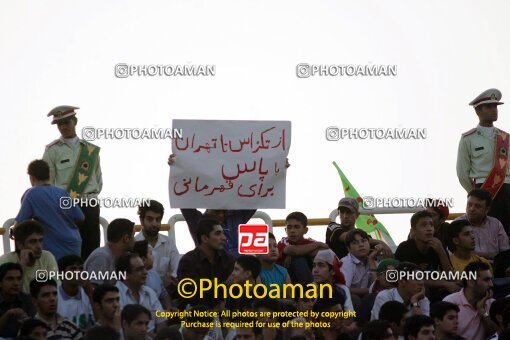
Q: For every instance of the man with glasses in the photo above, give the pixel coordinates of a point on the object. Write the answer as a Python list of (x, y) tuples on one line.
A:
[(133, 291)]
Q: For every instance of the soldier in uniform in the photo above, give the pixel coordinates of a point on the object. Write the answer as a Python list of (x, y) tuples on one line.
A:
[(74, 166), (482, 160)]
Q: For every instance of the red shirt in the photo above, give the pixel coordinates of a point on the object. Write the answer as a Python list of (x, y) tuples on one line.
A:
[(284, 242)]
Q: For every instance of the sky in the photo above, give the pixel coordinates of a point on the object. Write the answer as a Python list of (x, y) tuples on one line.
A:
[(64, 53)]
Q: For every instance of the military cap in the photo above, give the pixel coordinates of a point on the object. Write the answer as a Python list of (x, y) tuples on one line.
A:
[(490, 96), (349, 203), (60, 113)]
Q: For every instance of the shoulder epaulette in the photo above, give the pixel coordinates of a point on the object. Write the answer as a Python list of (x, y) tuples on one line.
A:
[(53, 143), (83, 141), (470, 132), (503, 131)]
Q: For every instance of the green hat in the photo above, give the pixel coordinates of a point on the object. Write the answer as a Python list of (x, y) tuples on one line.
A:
[(383, 265)]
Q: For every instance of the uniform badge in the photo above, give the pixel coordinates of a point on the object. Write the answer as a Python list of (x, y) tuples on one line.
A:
[(502, 151), (85, 166)]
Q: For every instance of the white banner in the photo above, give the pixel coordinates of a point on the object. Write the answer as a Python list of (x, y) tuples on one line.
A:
[(229, 164)]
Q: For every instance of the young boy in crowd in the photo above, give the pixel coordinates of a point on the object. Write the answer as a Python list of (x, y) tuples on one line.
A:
[(326, 270), (461, 242), (419, 327), (295, 252), (272, 273), (153, 279), (380, 282), (395, 313), (446, 319), (73, 299), (359, 264), (246, 268)]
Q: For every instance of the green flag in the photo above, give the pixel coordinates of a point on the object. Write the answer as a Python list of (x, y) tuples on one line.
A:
[(368, 223)]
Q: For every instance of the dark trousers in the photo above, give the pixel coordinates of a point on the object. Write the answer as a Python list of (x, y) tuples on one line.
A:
[(500, 207), (89, 230), (300, 270)]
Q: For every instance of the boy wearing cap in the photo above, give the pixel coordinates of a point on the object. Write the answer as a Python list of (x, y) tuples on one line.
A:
[(380, 282), (75, 166), (410, 291), (348, 211), (482, 159), (326, 270)]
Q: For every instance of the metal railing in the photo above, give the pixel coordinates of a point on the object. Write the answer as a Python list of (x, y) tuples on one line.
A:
[(170, 226)]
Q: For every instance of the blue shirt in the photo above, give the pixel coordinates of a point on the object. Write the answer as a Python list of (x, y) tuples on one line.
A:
[(154, 281), (277, 275), (61, 235)]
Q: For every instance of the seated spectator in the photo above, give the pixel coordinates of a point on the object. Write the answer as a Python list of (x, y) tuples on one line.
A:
[(272, 273), (248, 333), (168, 333), (135, 322), (268, 306), (193, 333), (73, 300), (132, 290), (44, 296), (303, 304), (409, 291), (103, 333), (15, 306), (474, 302), (296, 329), (166, 255), (502, 264), (348, 212), (505, 318), (419, 327), (339, 327), (107, 306), (295, 252), (496, 312), (395, 313), (461, 242), (377, 330), (326, 270), (380, 282), (359, 263), (428, 253), (446, 320), (490, 236), (207, 261), (29, 254), (153, 279), (119, 240), (439, 212), (43, 202), (246, 269), (34, 329)]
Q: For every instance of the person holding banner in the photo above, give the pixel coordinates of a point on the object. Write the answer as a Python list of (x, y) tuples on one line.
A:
[(482, 159), (75, 166), (229, 220)]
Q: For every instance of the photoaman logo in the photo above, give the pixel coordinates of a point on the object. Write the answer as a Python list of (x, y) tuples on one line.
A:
[(253, 239)]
